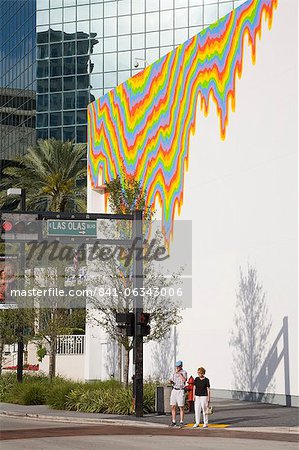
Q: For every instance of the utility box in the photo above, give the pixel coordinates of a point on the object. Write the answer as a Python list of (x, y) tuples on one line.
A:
[(167, 393), (163, 399)]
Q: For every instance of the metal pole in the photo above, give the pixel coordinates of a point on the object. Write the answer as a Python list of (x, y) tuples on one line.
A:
[(23, 200), (286, 361), (138, 309), (20, 355), (20, 328)]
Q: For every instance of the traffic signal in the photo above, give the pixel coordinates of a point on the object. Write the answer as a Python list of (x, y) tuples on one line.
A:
[(125, 321), (143, 328), (19, 227)]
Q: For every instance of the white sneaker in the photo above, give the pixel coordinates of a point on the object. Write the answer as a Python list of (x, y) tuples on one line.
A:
[(205, 426), (196, 425)]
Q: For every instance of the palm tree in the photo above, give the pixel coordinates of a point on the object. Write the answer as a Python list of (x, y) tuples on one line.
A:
[(53, 174)]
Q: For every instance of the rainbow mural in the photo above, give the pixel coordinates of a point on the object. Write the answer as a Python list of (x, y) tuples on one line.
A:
[(142, 127)]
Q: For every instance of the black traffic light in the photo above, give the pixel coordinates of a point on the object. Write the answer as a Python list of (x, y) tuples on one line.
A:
[(19, 227), (125, 321), (143, 328)]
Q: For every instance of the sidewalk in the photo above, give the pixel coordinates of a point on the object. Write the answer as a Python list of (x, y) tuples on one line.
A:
[(229, 415)]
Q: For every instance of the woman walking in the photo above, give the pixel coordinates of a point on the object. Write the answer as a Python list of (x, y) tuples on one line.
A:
[(201, 393)]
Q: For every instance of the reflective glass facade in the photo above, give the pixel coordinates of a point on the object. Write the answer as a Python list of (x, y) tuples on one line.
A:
[(17, 76), (87, 47)]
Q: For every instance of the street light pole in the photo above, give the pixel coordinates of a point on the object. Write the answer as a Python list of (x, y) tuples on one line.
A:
[(20, 330), (138, 310)]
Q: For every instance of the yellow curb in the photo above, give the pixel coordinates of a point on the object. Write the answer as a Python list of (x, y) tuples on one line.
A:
[(211, 425)]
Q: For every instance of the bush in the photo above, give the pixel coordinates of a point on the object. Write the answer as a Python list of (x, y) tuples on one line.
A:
[(28, 393), (33, 394), (149, 393), (120, 401), (7, 381), (86, 400), (57, 395), (108, 397)]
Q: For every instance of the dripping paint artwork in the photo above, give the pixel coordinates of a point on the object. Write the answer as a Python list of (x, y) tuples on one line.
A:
[(142, 128)]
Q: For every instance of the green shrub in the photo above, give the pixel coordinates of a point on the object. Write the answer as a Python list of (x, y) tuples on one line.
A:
[(109, 397), (87, 400), (34, 394), (7, 382), (149, 393), (120, 401), (57, 395)]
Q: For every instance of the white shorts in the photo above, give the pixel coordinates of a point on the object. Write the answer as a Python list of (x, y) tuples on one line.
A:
[(177, 397)]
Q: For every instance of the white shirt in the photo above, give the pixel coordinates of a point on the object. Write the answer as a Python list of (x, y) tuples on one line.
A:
[(178, 382)]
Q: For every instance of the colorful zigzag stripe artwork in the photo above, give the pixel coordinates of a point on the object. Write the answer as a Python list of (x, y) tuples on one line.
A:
[(142, 127)]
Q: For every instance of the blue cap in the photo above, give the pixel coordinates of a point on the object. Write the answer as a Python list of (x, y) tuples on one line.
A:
[(179, 363)]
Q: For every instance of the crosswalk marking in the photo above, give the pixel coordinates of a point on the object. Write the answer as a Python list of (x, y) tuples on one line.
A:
[(211, 425)]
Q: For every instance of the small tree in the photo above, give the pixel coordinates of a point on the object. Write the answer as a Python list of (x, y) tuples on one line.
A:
[(162, 357), (252, 327), (53, 322), (13, 322), (54, 315), (125, 196)]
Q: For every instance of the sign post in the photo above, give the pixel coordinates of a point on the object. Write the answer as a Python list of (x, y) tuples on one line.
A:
[(138, 311)]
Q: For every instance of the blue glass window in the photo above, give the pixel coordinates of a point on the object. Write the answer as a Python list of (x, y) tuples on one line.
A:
[(69, 66), (55, 119), (68, 117), (83, 82), (69, 83), (82, 99), (82, 116), (82, 47), (69, 100), (82, 64), (68, 133), (42, 133), (69, 48), (55, 50), (42, 102), (42, 69), (42, 51), (41, 120), (42, 85), (81, 134), (55, 67), (55, 102), (55, 84), (55, 133)]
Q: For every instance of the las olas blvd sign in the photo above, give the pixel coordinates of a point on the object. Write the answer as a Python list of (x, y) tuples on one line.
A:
[(57, 227)]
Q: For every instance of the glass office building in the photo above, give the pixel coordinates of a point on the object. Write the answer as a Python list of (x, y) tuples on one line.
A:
[(17, 77), (87, 47)]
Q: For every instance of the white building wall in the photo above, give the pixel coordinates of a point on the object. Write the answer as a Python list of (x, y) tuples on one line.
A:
[(241, 195), (67, 366)]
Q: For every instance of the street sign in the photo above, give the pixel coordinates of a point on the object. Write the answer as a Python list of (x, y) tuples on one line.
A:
[(83, 228)]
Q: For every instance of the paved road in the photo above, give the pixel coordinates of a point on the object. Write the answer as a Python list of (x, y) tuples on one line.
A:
[(34, 434), (234, 413), (142, 443)]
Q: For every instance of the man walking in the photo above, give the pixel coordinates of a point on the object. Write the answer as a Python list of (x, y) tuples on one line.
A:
[(177, 397)]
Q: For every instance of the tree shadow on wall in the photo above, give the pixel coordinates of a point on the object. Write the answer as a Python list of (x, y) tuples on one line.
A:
[(272, 360), (163, 357), (249, 336), (254, 367)]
